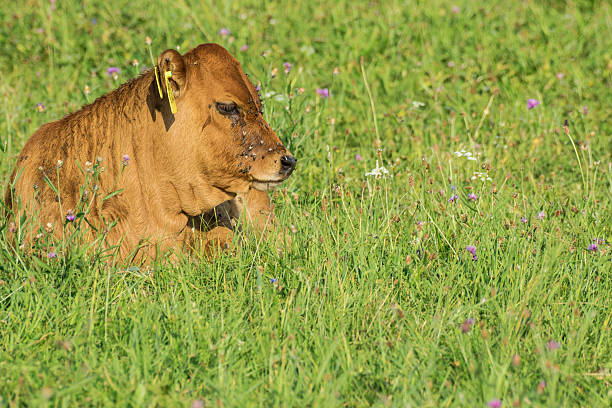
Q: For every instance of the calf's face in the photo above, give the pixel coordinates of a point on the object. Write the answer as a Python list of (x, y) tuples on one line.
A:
[(221, 115)]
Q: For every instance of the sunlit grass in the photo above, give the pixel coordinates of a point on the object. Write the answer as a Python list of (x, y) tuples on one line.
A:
[(379, 299)]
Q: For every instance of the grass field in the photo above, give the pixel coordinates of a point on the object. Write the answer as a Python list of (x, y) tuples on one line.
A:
[(477, 272)]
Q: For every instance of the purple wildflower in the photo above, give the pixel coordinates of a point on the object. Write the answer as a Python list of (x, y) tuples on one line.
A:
[(273, 280), (593, 247), (40, 106), (244, 48), (125, 160), (258, 87), (324, 92), (472, 196), (585, 109), (455, 9), (52, 255), (224, 32), (358, 157), (453, 198), (494, 403), (287, 66), (532, 103), (541, 215), (553, 345), (560, 75), (113, 72), (472, 250), (524, 220), (466, 326), (70, 216)]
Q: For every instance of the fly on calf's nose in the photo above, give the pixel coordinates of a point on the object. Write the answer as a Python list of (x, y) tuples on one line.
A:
[(287, 165)]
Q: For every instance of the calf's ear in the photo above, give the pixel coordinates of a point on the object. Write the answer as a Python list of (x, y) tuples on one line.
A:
[(171, 60)]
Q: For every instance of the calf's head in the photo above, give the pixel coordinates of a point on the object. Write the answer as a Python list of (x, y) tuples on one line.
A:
[(220, 124)]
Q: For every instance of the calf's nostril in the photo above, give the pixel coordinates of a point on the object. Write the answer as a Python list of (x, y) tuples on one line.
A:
[(287, 164)]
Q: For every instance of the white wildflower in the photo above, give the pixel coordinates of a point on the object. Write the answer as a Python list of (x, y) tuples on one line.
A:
[(378, 171), (481, 176), (467, 155), (275, 96), (307, 49), (417, 104)]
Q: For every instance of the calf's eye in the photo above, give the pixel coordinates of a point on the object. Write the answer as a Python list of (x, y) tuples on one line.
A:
[(227, 109)]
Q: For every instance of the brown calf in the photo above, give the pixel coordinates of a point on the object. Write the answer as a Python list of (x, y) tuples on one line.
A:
[(177, 174)]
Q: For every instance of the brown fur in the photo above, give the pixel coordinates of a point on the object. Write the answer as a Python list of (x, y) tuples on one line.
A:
[(196, 170)]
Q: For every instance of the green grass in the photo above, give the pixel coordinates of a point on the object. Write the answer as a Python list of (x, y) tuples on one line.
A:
[(370, 298)]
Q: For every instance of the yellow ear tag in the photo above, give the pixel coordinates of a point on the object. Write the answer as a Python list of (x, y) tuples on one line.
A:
[(167, 75), (161, 94)]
